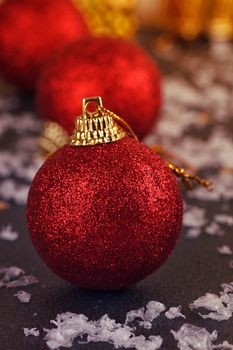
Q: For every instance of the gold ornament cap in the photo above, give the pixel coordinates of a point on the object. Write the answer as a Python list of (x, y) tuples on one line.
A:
[(95, 127)]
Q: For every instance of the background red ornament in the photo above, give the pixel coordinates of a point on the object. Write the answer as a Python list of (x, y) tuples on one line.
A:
[(119, 71), (31, 31), (104, 216)]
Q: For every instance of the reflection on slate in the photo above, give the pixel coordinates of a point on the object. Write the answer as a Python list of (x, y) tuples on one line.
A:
[(196, 124)]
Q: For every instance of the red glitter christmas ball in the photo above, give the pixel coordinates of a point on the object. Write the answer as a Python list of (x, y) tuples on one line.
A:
[(104, 216), (31, 31), (119, 71)]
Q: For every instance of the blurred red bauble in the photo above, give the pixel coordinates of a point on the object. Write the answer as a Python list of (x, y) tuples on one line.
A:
[(119, 71), (31, 31), (107, 215)]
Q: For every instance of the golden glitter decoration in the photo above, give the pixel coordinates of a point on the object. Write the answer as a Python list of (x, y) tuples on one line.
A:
[(219, 24), (110, 17), (97, 127), (189, 179), (189, 19), (52, 138)]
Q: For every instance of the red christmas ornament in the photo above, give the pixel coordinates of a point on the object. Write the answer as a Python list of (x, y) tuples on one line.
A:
[(31, 31), (104, 211), (119, 71)]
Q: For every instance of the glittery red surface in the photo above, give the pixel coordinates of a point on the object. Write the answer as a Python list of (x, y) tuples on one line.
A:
[(31, 31), (104, 216), (120, 72)]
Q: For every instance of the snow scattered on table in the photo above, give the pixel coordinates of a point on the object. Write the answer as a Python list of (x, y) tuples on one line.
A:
[(195, 220), (147, 315), (135, 314), (20, 122), (223, 189), (193, 232), (221, 306), (174, 312), (31, 331), (224, 250), (9, 273), (193, 337), (69, 326), (18, 165), (213, 229), (23, 281), (15, 277), (8, 234), (190, 337), (224, 346), (24, 297), (12, 190), (224, 219), (194, 216)]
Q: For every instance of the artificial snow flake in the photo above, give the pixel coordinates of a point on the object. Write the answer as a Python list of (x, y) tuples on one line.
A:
[(213, 229), (25, 122), (194, 217), (17, 163), (190, 337), (219, 143), (227, 288), (174, 312), (225, 250), (70, 326), (224, 219), (213, 303), (9, 273), (8, 234), (22, 281), (9, 189), (133, 314), (224, 346), (24, 297), (31, 331), (221, 306), (152, 310), (15, 277), (193, 232)]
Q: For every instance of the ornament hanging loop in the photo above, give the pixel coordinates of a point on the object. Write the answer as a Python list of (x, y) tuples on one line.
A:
[(96, 101), (120, 121)]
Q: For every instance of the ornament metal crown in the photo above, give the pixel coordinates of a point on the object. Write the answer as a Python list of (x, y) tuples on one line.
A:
[(97, 127), (103, 126)]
